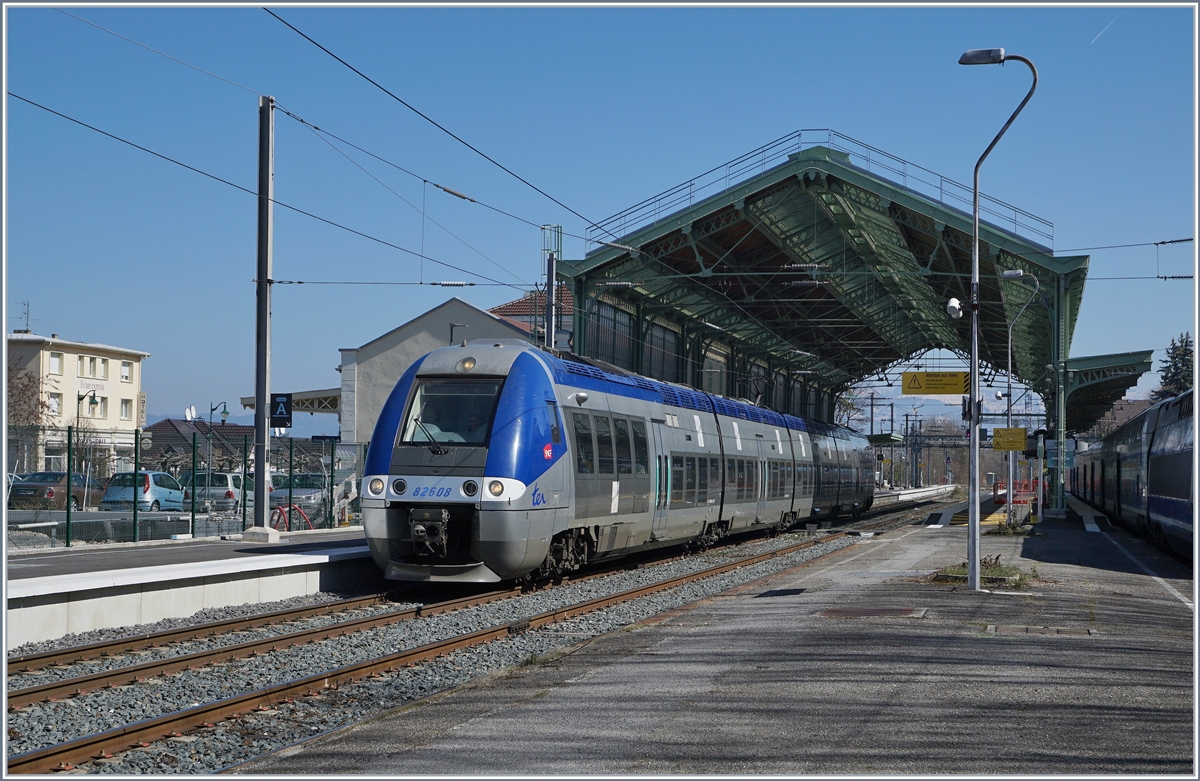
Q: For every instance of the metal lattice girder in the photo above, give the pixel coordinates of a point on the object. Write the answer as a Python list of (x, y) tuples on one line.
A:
[(887, 248), (1097, 382)]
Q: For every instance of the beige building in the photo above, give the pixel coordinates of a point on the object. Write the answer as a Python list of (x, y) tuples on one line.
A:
[(95, 388)]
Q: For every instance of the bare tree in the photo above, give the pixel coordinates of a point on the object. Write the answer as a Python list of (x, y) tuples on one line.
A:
[(27, 411)]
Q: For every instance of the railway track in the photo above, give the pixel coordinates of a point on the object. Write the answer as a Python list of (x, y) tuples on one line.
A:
[(102, 745)]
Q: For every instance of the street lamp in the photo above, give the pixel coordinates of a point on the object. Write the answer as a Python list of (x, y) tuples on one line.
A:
[(980, 57), (95, 402), (1015, 273), (224, 416)]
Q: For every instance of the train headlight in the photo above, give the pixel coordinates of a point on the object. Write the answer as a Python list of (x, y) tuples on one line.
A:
[(470, 488), (375, 486), (399, 486), (465, 365), (495, 488)]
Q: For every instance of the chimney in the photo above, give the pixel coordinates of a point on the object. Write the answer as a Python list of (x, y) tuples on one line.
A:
[(53, 336)]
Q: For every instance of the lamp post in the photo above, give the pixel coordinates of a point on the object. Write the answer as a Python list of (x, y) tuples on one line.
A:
[(95, 402), (208, 481), (1015, 273), (980, 57)]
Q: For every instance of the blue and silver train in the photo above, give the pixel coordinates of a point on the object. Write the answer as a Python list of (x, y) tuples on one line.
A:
[(497, 461), (1141, 474)]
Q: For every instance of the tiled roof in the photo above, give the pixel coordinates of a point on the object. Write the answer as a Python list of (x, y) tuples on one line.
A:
[(534, 303)]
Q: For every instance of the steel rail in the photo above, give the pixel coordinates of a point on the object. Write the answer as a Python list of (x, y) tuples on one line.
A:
[(102, 744), (82, 653), (74, 687)]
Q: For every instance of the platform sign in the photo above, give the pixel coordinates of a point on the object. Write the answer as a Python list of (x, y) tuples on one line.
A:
[(1008, 439), (936, 383), (1052, 461), (281, 410)]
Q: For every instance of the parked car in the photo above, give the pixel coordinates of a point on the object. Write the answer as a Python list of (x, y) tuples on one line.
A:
[(155, 491), (309, 492), (48, 491), (224, 490)]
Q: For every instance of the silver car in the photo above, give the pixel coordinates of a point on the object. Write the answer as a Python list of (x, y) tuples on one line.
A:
[(225, 491), (309, 492)]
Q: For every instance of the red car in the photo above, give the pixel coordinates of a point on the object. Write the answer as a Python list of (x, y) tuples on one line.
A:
[(48, 491)]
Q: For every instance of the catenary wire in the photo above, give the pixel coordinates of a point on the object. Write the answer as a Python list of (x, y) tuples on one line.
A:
[(438, 126), (256, 195), (161, 54), (413, 207), (481, 203)]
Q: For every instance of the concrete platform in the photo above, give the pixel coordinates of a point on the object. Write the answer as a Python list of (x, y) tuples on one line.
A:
[(1087, 670), (50, 594)]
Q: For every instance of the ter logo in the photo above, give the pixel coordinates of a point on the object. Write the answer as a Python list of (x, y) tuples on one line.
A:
[(281, 410)]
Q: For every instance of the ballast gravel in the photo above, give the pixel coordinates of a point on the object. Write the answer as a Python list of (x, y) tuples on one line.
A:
[(230, 742)]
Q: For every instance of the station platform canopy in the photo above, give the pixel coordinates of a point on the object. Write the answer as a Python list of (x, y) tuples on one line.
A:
[(821, 257)]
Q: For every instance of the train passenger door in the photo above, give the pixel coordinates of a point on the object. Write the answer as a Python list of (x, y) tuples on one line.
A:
[(660, 485), (760, 507)]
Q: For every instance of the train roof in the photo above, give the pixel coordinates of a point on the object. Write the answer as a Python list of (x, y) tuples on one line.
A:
[(574, 370)]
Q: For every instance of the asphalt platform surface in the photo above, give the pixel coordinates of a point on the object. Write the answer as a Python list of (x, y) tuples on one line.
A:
[(1088, 669)]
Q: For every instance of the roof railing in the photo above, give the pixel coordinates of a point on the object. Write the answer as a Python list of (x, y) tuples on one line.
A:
[(906, 176)]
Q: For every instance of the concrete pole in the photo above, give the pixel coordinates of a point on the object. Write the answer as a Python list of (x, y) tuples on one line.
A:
[(262, 364)]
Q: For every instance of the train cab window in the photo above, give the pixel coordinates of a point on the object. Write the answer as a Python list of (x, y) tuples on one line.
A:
[(641, 450), (701, 481), (584, 456), (450, 411), (624, 456), (676, 479), (552, 414), (604, 445)]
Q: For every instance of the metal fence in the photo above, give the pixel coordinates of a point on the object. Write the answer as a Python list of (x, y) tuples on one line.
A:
[(305, 466)]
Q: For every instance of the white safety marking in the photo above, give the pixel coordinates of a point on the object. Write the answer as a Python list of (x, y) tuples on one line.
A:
[(935, 526), (1089, 523), (737, 435), (1150, 572), (616, 495), (778, 441), (801, 438), (699, 431)]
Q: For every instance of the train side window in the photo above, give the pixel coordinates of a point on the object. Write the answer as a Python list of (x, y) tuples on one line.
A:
[(641, 450), (624, 455), (604, 445), (676, 479), (741, 480), (689, 484), (552, 411), (702, 481), (584, 461), (714, 476), (731, 480), (775, 479)]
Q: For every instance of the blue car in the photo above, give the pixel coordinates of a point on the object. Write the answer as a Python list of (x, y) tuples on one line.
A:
[(155, 491)]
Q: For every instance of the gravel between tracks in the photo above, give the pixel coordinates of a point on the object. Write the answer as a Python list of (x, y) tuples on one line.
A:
[(230, 742)]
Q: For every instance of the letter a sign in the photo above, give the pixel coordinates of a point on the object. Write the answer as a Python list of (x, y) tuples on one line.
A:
[(281, 410)]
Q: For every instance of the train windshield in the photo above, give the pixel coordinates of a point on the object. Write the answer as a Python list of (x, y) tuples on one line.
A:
[(451, 412)]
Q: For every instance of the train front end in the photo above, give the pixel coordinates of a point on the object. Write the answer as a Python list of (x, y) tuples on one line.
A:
[(461, 468)]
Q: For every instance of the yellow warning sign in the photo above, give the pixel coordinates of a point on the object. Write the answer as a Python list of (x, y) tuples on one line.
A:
[(935, 383), (1008, 439)]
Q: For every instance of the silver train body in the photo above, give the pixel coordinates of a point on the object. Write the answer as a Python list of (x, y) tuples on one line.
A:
[(574, 463), (1141, 474)]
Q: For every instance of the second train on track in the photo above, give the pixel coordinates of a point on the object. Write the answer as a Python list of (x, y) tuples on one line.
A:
[(499, 461)]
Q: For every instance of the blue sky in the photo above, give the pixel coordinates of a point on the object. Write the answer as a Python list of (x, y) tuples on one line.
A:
[(599, 107)]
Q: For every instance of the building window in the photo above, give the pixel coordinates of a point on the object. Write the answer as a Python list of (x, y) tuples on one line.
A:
[(98, 410), (55, 400), (126, 409), (56, 363), (126, 371), (91, 366)]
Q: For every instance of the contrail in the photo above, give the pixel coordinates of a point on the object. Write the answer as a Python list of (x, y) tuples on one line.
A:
[(1110, 24)]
